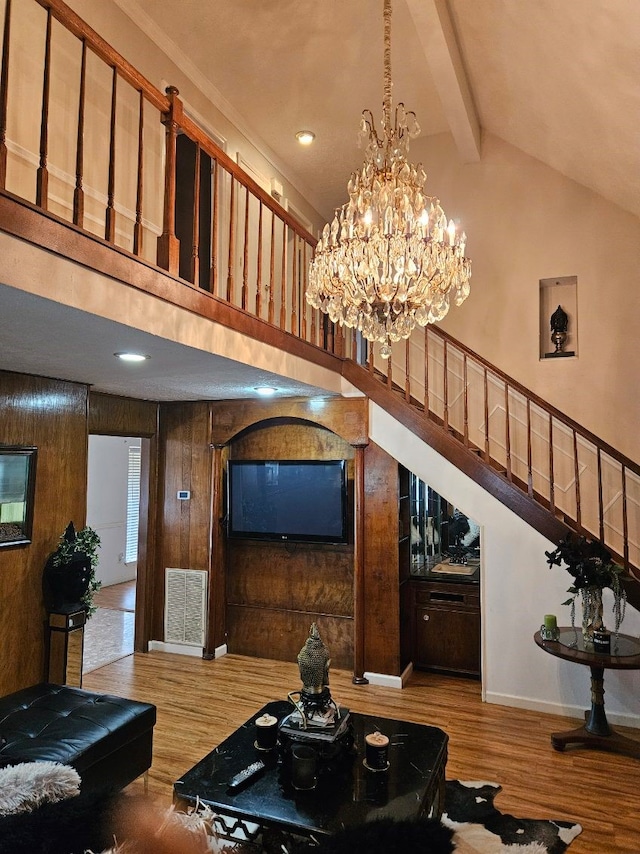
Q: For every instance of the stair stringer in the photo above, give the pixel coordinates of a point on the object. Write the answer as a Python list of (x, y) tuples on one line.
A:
[(517, 588)]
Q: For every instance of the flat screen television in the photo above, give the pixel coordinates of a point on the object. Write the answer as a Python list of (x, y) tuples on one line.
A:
[(287, 500)]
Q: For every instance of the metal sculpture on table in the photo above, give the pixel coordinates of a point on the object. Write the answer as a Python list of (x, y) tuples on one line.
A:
[(317, 719)]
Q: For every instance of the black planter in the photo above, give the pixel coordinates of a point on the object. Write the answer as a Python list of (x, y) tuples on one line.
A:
[(65, 585)]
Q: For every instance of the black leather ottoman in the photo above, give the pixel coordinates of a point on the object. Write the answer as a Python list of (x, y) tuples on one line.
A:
[(107, 739)]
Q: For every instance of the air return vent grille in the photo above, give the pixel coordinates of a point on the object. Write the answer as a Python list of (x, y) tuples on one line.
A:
[(185, 606)]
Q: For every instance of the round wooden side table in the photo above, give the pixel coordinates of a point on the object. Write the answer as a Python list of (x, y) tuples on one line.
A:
[(595, 732)]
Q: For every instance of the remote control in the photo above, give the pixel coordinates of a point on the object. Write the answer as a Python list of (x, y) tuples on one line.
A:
[(243, 777)]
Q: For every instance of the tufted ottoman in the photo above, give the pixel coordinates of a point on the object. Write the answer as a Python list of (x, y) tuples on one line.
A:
[(107, 739)]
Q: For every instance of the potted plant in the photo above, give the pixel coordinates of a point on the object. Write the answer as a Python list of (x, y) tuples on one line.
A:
[(592, 569), (69, 578)]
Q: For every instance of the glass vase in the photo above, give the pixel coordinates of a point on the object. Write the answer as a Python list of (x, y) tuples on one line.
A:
[(591, 613)]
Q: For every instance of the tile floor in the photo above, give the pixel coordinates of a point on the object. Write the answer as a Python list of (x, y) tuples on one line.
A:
[(108, 635)]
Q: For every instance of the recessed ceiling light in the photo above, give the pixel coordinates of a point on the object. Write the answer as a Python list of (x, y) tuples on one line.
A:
[(132, 357), (305, 137), (266, 390)]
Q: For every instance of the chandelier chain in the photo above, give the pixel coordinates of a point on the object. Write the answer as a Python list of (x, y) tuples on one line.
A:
[(388, 84)]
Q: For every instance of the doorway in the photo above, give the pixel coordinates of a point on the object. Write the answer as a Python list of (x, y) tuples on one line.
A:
[(113, 509)]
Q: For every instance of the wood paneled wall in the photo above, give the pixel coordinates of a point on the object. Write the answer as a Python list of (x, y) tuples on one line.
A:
[(381, 577), (276, 590), (52, 416), (185, 462), (110, 415)]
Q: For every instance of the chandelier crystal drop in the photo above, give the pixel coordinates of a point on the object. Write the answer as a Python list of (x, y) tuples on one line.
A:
[(390, 259)]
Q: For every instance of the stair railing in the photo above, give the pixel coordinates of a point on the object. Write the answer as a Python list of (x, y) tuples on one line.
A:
[(575, 475)]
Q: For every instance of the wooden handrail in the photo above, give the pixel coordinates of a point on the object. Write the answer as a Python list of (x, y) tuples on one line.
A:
[(102, 49), (539, 401)]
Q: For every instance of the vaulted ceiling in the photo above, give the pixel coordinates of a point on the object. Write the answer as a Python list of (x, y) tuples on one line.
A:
[(559, 79)]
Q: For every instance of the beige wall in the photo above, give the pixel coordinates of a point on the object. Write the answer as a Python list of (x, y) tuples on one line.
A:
[(526, 222), (120, 32)]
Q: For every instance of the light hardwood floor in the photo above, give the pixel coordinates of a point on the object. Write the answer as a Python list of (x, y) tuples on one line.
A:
[(201, 702)]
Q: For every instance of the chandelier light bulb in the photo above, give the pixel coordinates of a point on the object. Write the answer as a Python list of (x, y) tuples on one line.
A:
[(390, 259)]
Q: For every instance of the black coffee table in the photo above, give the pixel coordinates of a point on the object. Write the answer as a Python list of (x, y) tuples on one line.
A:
[(346, 794)]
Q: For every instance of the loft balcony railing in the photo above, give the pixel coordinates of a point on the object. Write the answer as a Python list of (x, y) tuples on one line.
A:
[(85, 137)]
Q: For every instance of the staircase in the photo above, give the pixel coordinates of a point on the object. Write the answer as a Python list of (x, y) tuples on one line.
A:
[(550, 471)]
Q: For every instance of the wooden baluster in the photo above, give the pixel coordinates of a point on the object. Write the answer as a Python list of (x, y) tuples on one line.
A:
[(259, 264), (42, 178), (507, 429), (283, 280), (78, 193), (330, 333), (600, 499), (137, 229), (232, 240), (272, 269), (486, 416), (625, 519), (4, 92), (245, 253), (445, 383), (426, 370), (110, 219), (215, 225), (529, 451), (194, 267), (389, 364), (576, 477), (407, 371), (370, 357), (304, 305), (168, 250), (465, 415), (295, 287), (552, 502)]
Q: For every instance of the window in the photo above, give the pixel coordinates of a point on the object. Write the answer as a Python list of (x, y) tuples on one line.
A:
[(133, 505)]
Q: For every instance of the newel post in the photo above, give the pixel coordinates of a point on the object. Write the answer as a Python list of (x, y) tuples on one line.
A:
[(168, 254)]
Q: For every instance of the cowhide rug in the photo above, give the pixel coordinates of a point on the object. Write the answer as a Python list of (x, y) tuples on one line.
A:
[(482, 829)]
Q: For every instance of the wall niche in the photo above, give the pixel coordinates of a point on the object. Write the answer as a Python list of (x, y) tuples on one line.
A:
[(558, 339)]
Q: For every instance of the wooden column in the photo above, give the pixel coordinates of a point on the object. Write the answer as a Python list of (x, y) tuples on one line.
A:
[(216, 630), (168, 244), (358, 568)]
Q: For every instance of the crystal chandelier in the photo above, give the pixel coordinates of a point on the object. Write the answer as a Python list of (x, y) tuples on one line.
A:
[(389, 260)]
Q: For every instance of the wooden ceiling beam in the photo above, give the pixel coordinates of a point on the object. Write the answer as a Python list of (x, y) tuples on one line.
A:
[(439, 43)]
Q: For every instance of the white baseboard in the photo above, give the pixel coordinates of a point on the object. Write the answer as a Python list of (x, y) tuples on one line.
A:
[(558, 709), (184, 649), (383, 679), (176, 648)]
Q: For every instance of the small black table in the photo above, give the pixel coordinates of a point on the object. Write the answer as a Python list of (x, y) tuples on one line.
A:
[(596, 732), (346, 794)]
